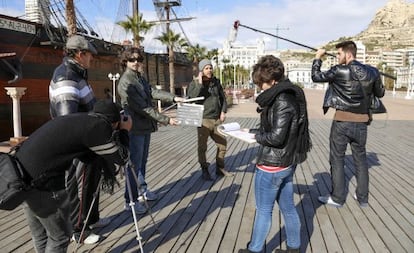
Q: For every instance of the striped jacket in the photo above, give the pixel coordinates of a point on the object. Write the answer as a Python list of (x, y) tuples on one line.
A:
[(69, 91)]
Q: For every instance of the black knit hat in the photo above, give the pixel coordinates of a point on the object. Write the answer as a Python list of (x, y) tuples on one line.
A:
[(109, 109)]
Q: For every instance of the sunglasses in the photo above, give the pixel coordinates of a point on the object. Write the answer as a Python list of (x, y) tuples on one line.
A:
[(136, 59)]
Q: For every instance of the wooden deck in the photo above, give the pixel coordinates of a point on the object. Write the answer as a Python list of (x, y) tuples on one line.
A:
[(197, 216)]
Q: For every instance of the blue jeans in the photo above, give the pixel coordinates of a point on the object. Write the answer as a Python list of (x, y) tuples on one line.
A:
[(354, 133), (47, 214), (139, 149), (271, 187)]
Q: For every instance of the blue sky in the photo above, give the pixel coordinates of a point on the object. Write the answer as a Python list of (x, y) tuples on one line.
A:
[(310, 22)]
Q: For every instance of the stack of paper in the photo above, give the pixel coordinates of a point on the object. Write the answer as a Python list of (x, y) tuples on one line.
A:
[(234, 130)]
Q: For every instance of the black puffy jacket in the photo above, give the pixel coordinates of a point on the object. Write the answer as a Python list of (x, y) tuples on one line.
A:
[(350, 86)]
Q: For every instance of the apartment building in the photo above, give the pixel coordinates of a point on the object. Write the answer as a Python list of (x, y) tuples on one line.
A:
[(34, 11), (242, 55)]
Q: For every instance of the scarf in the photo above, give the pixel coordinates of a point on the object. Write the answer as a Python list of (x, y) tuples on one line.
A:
[(265, 101)]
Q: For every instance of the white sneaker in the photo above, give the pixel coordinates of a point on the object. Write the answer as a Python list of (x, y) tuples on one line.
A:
[(139, 208), (90, 239), (361, 204), (101, 223), (148, 195), (327, 200)]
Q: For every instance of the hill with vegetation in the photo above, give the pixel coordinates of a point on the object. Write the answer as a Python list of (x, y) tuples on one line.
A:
[(392, 28)]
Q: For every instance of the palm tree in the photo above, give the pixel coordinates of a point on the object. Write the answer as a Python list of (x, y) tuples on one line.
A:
[(195, 54), (226, 75), (136, 25), (213, 55), (172, 41)]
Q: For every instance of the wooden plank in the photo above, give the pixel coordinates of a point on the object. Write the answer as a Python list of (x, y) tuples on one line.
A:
[(198, 216), (243, 181)]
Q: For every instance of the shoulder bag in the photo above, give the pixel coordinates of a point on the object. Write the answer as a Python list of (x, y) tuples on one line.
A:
[(13, 187)]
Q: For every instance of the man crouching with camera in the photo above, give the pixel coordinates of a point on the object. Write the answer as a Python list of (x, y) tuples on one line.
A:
[(49, 151)]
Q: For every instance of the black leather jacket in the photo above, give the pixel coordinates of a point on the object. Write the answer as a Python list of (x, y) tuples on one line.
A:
[(350, 86), (136, 98), (283, 114)]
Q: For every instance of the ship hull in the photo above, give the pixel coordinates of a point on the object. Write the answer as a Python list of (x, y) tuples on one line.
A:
[(36, 57)]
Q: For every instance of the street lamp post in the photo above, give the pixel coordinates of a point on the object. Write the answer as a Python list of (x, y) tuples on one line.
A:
[(221, 74), (393, 87), (410, 77), (383, 71), (113, 78), (234, 85)]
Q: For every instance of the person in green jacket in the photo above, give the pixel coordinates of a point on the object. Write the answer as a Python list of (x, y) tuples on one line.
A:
[(214, 114), (136, 98)]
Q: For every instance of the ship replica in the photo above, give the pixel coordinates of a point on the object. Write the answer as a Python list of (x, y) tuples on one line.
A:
[(30, 51)]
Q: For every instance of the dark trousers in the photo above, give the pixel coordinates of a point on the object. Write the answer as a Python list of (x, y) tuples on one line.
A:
[(342, 134), (47, 214), (209, 128), (82, 183)]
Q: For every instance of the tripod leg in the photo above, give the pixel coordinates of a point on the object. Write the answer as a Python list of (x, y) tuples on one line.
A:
[(132, 204), (95, 196), (140, 193)]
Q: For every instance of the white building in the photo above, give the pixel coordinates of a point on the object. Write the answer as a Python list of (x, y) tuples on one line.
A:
[(245, 56), (298, 72), (373, 58), (393, 58), (401, 60), (361, 51), (34, 13)]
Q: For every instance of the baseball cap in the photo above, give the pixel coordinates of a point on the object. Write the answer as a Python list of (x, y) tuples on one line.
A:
[(79, 42), (109, 109)]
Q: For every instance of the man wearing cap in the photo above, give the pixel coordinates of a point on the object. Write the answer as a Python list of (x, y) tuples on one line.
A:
[(215, 108), (69, 92), (47, 154)]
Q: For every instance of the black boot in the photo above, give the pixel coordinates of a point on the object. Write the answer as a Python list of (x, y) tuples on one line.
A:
[(245, 251), (223, 172), (206, 174), (288, 250)]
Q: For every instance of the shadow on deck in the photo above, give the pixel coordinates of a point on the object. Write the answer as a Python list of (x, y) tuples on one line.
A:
[(193, 215)]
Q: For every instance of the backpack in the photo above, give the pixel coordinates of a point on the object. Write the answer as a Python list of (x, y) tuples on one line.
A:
[(13, 186)]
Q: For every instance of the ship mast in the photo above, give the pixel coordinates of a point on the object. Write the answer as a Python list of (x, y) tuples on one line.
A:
[(135, 14), (71, 18)]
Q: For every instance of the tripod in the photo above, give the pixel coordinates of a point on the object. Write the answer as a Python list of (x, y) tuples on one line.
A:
[(95, 196), (129, 166)]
